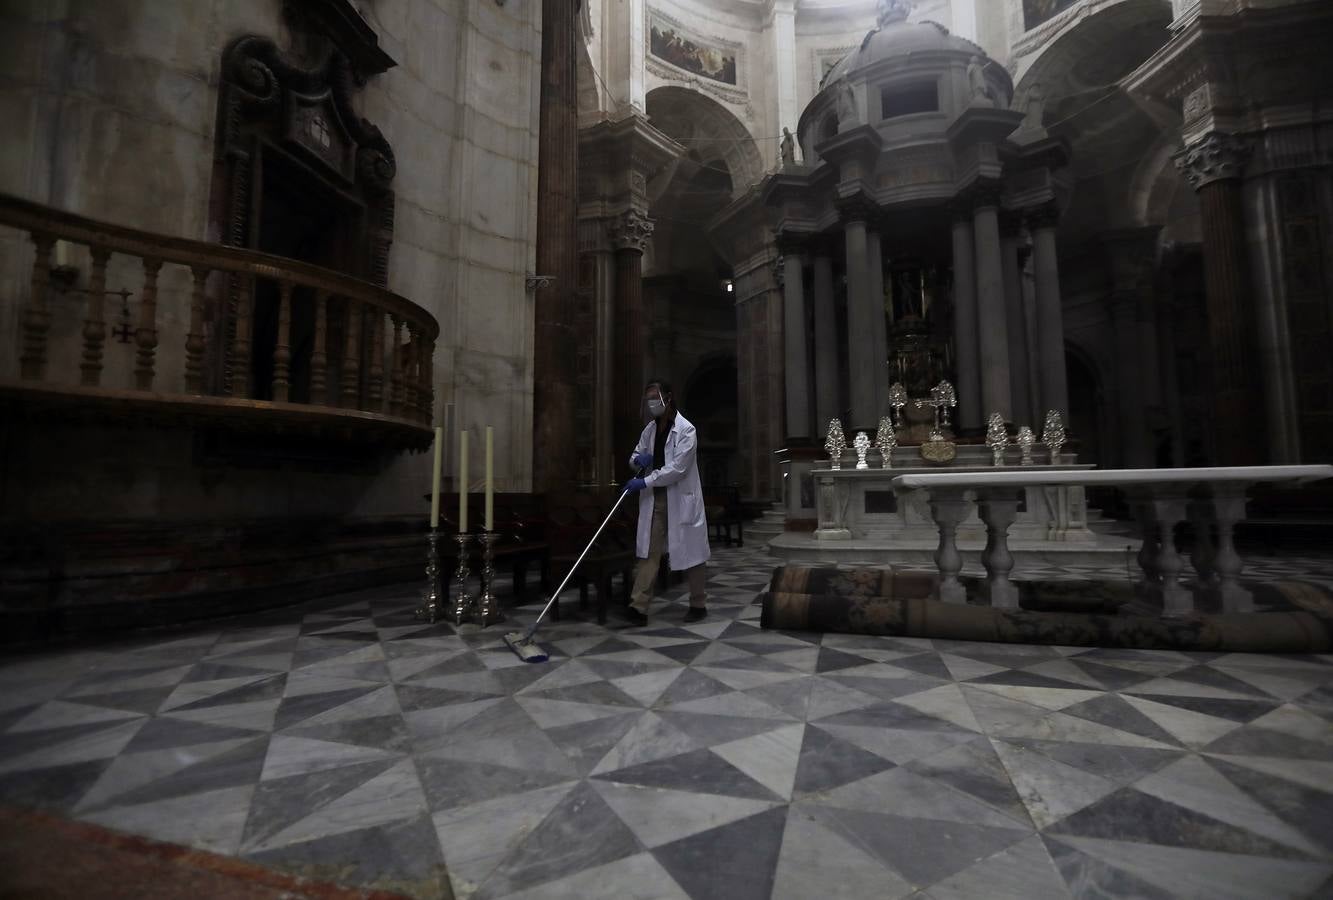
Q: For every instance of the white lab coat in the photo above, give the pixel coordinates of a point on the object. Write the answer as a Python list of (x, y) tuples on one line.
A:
[(687, 529)]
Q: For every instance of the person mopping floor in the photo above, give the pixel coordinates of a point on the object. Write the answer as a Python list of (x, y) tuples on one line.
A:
[(671, 514)]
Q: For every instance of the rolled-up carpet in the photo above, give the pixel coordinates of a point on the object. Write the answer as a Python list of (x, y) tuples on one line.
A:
[(1301, 620)]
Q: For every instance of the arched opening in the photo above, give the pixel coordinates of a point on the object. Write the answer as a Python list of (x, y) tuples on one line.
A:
[(1086, 405), (688, 287)]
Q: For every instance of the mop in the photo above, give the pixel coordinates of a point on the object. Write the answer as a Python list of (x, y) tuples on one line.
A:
[(522, 644)]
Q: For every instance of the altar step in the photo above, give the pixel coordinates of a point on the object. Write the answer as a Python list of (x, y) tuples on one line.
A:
[(771, 523)]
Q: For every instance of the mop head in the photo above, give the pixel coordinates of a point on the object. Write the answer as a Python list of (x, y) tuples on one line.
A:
[(526, 650)]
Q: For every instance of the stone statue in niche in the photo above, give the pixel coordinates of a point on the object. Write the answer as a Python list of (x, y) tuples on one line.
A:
[(976, 77), (847, 116), (788, 148), (1035, 110)]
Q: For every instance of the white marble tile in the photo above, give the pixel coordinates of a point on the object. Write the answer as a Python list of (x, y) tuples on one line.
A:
[(818, 863), (770, 758), (1050, 790), (213, 820)]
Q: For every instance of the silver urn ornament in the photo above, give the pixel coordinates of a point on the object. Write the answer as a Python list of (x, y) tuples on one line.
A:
[(886, 439), (997, 438), (836, 444), (1025, 441), (1053, 435), (862, 446), (897, 400)]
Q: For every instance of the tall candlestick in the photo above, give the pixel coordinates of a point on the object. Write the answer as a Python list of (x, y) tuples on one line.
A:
[(490, 476), (435, 479), (462, 482)]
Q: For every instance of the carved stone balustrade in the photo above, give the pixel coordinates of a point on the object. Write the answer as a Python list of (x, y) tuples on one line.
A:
[(1213, 498), (328, 340)]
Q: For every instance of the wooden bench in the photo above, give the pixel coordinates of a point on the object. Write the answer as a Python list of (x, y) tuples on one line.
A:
[(725, 513), (569, 528)]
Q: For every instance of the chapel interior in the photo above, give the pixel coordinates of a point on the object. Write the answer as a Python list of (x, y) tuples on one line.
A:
[(1006, 327)]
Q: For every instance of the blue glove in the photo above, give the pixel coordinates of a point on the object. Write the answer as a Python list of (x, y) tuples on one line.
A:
[(643, 460), (635, 484)]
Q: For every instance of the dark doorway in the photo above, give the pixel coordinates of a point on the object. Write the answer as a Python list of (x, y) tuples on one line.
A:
[(301, 216)]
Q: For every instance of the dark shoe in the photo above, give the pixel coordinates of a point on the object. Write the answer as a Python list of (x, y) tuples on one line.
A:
[(636, 618), (696, 614)]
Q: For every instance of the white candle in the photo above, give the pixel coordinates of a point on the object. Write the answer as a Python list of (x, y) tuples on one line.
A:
[(435, 479), (490, 476), (462, 482)]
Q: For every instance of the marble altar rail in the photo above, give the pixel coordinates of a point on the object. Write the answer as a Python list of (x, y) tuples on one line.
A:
[(1212, 499)]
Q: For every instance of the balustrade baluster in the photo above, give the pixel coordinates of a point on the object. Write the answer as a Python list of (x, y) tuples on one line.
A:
[(376, 379), (428, 381), (94, 326), (351, 374), (146, 335), (194, 341), (411, 376), (319, 357), (36, 317), (282, 349), (240, 378), (396, 369)]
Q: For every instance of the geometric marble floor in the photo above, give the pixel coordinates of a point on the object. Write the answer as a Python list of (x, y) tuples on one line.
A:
[(345, 740)]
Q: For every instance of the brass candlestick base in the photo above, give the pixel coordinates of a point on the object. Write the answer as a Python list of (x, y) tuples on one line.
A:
[(430, 597), (488, 605), (461, 602)]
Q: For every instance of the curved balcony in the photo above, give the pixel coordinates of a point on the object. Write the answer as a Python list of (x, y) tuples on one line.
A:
[(151, 327)]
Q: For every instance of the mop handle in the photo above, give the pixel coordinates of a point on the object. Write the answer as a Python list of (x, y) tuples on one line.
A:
[(533, 630)]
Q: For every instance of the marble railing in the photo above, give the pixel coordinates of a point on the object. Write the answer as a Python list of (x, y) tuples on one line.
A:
[(363, 361), (1212, 499)]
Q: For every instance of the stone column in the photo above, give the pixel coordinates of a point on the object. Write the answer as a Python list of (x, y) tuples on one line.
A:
[(992, 314), (880, 334), (1054, 392), (553, 393), (827, 404), (797, 368), (630, 235), (966, 348), (861, 358), (1214, 165), (1016, 326)]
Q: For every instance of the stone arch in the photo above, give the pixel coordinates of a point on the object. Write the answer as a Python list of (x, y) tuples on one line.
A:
[(702, 124), (1080, 64)]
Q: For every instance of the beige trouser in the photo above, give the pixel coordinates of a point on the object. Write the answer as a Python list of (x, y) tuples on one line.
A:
[(645, 571)]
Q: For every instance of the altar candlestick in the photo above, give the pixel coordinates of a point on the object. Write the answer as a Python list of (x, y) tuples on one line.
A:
[(435, 479), (490, 476), (462, 482)]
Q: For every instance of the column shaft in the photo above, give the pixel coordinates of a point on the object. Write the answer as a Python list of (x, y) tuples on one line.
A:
[(553, 457), (628, 381), (1054, 392), (794, 344), (992, 315), (966, 349), (827, 405), (1237, 401), (860, 329), (1020, 395), (880, 335)]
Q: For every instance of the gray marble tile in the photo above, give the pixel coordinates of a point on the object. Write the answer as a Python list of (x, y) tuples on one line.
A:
[(828, 762), (580, 833), (737, 860), (700, 771), (920, 850)]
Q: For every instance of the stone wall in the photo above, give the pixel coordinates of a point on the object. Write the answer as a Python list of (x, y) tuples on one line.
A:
[(115, 105)]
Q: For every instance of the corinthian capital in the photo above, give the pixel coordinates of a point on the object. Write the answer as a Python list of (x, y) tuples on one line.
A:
[(1214, 157), (631, 231)]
